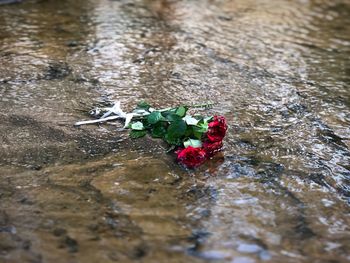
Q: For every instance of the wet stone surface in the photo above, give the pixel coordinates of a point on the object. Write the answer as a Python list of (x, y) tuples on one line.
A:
[(279, 72)]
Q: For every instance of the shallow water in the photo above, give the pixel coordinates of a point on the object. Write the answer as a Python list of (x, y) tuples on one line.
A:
[(278, 70)]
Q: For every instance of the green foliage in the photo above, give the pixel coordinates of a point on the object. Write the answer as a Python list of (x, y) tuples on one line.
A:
[(190, 120), (134, 134), (172, 140), (193, 143), (159, 130), (201, 127), (207, 119), (172, 124), (173, 117), (154, 117), (143, 105), (138, 126), (177, 129), (181, 111)]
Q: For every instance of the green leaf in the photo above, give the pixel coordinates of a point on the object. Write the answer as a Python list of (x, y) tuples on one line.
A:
[(137, 134), (193, 143), (172, 141), (181, 111), (143, 105), (176, 129), (137, 126), (190, 120), (201, 127), (189, 131), (154, 117), (198, 135), (173, 117), (158, 131), (207, 119)]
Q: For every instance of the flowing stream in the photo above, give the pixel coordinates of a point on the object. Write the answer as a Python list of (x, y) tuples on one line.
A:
[(279, 71)]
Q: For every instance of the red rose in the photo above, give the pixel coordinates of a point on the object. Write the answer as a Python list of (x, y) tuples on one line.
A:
[(211, 148), (217, 129), (191, 157)]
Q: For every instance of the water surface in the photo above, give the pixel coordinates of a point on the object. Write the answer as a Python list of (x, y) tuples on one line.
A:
[(278, 70)]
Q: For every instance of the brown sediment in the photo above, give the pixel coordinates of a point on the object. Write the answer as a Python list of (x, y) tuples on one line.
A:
[(279, 72)]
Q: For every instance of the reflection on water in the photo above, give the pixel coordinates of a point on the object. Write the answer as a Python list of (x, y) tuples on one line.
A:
[(279, 71)]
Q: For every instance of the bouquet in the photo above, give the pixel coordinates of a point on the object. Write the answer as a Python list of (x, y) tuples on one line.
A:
[(193, 138)]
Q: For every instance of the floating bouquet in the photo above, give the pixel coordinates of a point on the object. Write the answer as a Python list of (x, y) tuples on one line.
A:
[(193, 138)]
